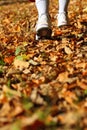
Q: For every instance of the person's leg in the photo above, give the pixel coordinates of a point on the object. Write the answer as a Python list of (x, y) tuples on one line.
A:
[(62, 14), (63, 5), (42, 7), (43, 27)]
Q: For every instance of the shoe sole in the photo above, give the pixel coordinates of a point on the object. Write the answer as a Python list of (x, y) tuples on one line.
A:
[(63, 24), (44, 33)]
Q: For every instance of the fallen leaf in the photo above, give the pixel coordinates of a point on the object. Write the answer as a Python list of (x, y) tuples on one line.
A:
[(81, 65), (9, 59), (18, 50), (29, 120), (85, 9), (5, 109), (17, 28), (19, 64), (11, 92), (82, 85), (58, 32), (2, 62), (32, 62), (6, 20), (17, 110), (64, 77), (68, 50)]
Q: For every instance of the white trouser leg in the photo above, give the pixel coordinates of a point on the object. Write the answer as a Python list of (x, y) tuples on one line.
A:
[(63, 5), (42, 7), (62, 13), (43, 27)]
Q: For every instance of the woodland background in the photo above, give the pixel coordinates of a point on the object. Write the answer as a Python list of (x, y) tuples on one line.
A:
[(43, 84)]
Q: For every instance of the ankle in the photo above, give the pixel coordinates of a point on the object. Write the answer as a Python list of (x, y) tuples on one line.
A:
[(44, 15), (63, 12), (62, 19)]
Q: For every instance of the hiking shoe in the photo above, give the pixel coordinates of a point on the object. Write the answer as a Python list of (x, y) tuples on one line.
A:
[(62, 19), (43, 28)]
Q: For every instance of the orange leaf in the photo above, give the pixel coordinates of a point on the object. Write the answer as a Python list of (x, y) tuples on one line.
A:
[(9, 59), (58, 32)]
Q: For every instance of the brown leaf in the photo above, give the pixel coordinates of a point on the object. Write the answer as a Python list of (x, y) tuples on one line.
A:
[(6, 20), (17, 110), (81, 65), (29, 120), (5, 110), (63, 77), (82, 85)]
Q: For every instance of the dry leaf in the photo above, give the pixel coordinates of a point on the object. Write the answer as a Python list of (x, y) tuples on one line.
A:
[(81, 65), (63, 77), (58, 32), (9, 59), (10, 91), (68, 50), (5, 110), (19, 64), (85, 9), (18, 110), (29, 120), (82, 85)]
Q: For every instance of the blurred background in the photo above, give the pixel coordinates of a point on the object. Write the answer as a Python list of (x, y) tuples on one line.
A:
[(4, 2)]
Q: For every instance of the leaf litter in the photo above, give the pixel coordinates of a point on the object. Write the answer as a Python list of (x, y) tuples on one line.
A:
[(43, 84)]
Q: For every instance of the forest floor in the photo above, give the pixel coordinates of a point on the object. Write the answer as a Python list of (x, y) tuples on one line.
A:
[(43, 84)]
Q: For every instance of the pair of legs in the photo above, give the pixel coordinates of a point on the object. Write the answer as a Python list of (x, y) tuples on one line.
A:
[(43, 27)]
